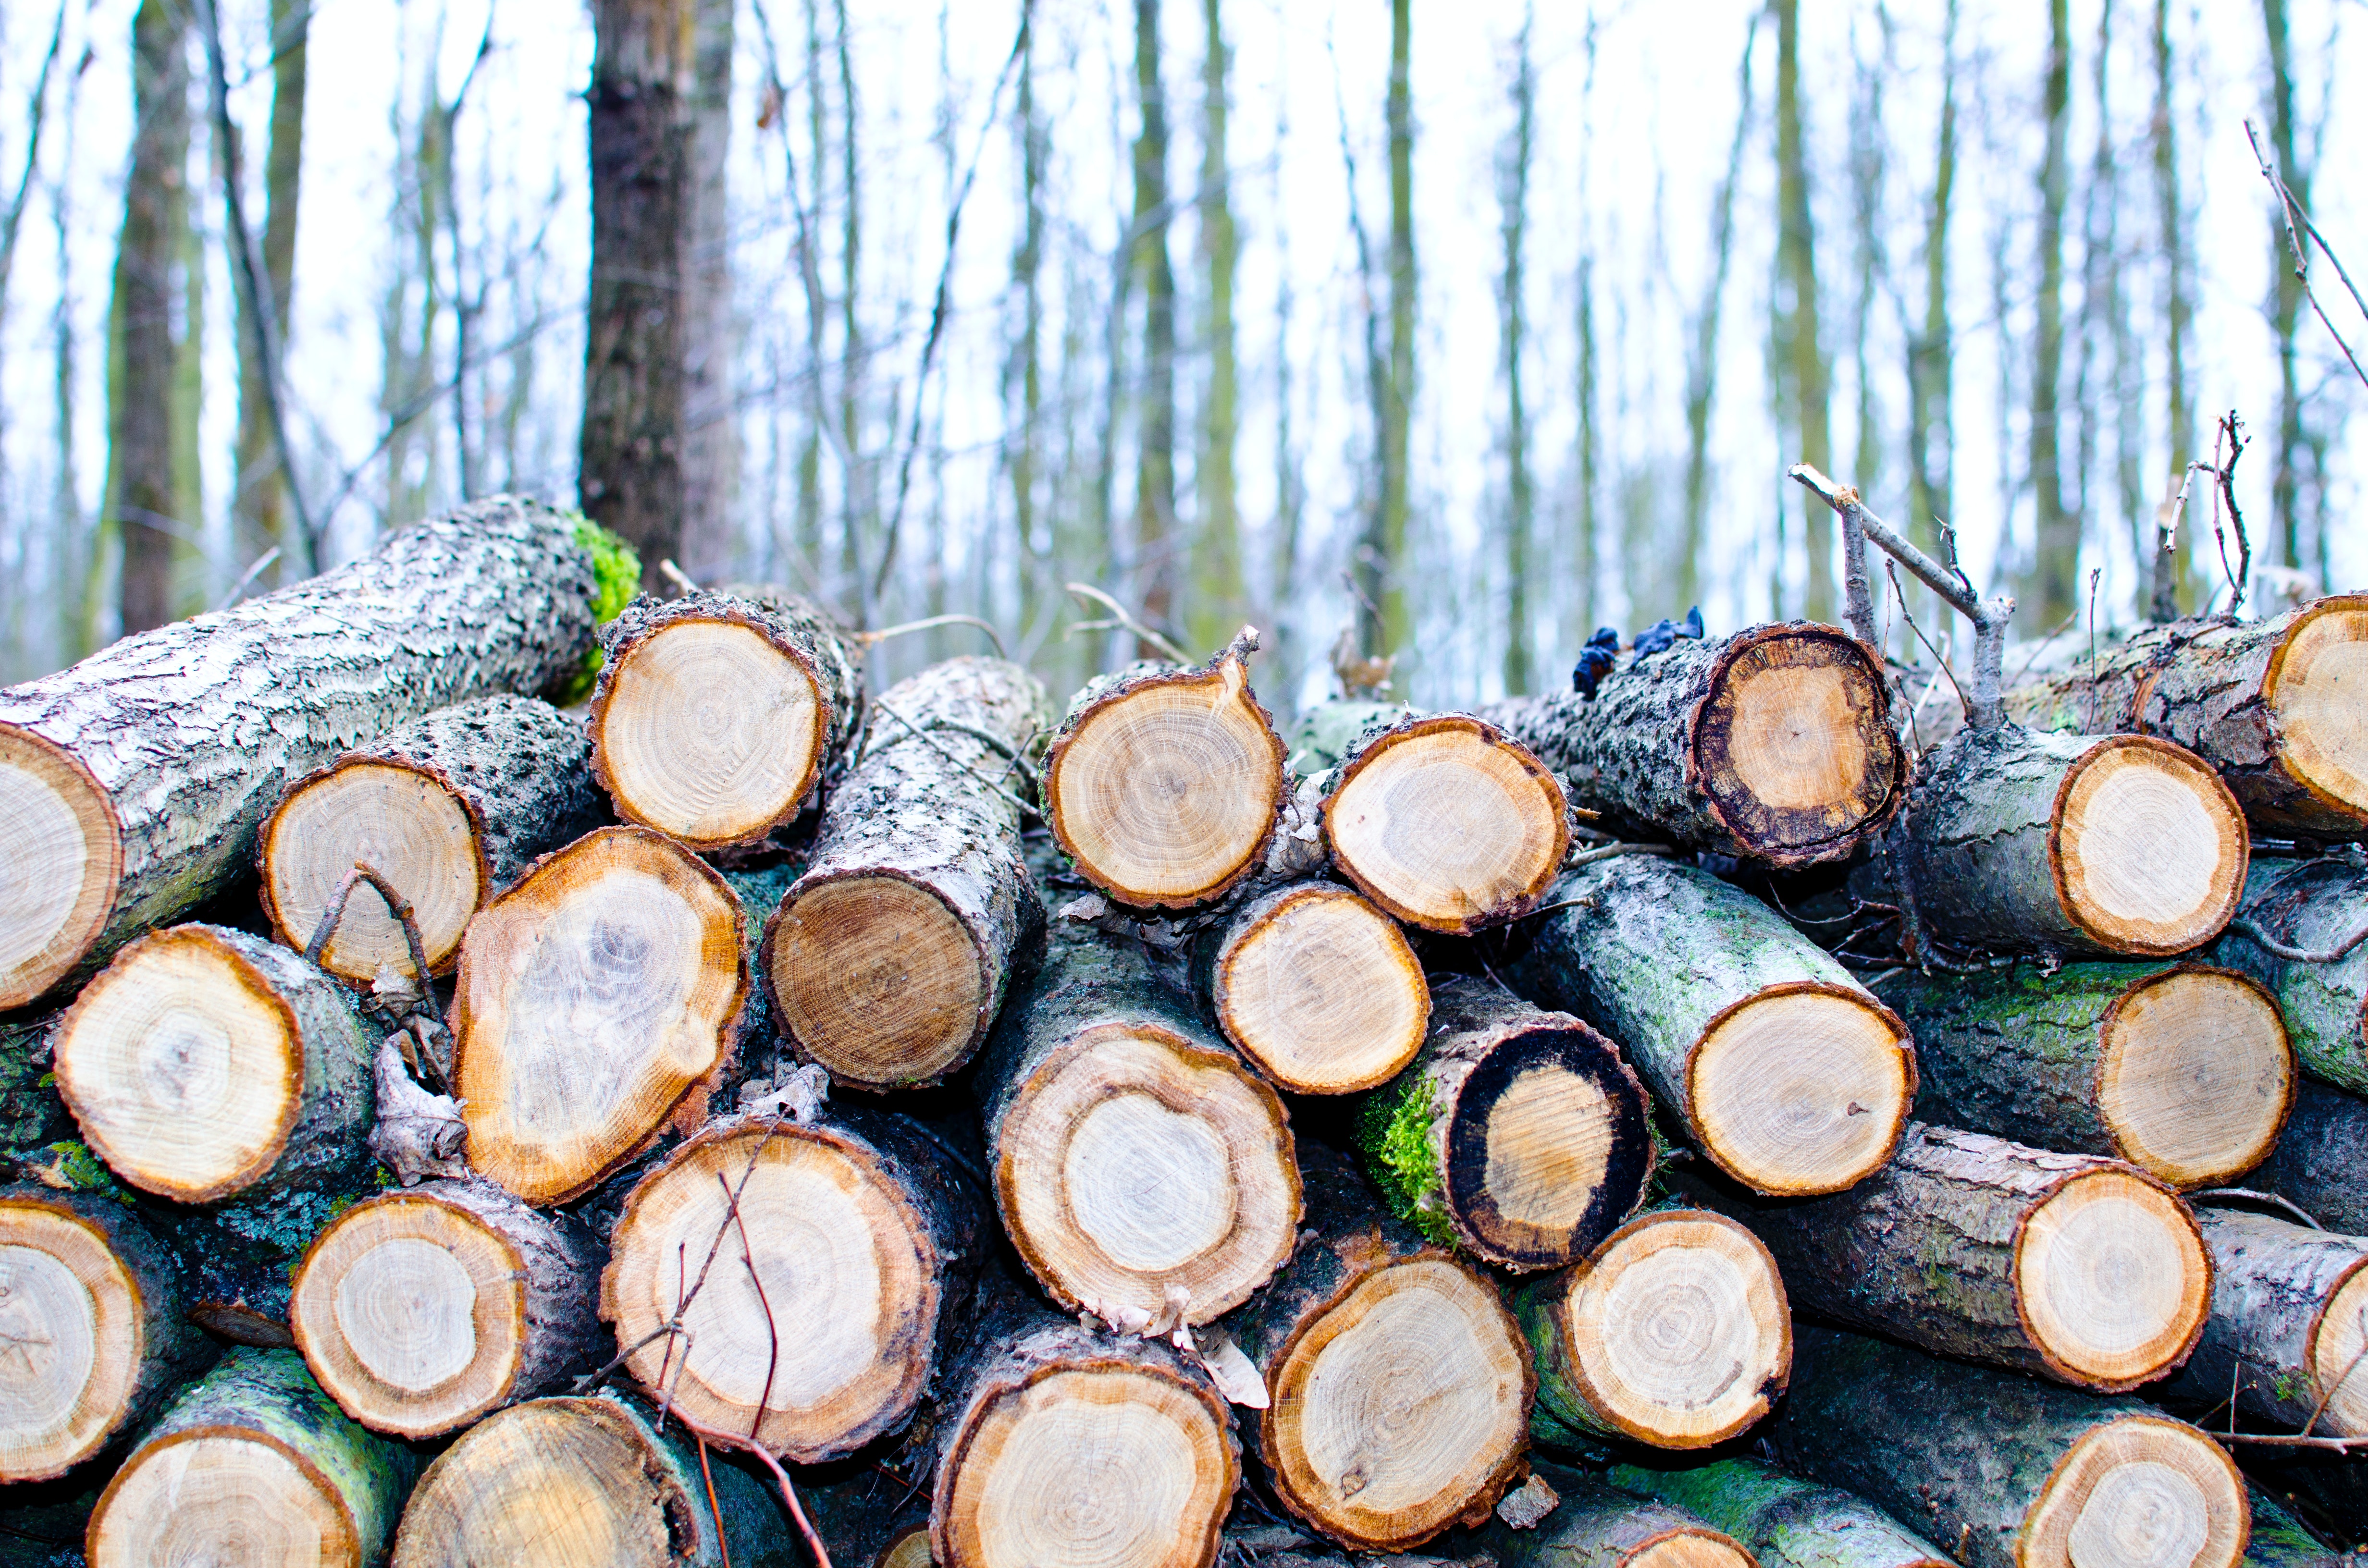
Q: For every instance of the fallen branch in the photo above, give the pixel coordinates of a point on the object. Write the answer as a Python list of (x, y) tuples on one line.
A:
[(2287, 208)]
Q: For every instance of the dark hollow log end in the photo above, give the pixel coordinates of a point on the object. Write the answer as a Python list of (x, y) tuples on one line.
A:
[(878, 978), (2147, 846), (62, 843)]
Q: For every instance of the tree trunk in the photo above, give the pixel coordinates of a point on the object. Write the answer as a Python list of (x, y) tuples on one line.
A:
[(2179, 309), (711, 544), (1784, 1521), (1217, 587), (1513, 305), (1931, 425), (2286, 478), (718, 713), (2318, 1159), (1594, 1526), (451, 808), (260, 494), (1518, 1135), (2181, 1069), (594, 1003), (1385, 625), (1316, 987), (1787, 1072), (2317, 905), (135, 782), (1774, 744), (421, 1311), (889, 959), (1156, 544), (2288, 1328), (1322, 738), (1399, 1386), (2050, 589), (1803, 375), (1675, 1332)]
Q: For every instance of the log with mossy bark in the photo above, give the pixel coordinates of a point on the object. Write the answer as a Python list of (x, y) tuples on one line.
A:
[(2318, 1159), (888, 959), (2288, 1333), (31, 1114), (1598, 1525), (2182, 1068), (2280, 1541), (1786, 1522), (132, 785), (449, 809), (2316, 910), (1319, 988), (1786, 1072)]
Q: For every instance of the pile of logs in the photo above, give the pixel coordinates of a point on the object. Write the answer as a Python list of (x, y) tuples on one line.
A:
[(495, 1073)]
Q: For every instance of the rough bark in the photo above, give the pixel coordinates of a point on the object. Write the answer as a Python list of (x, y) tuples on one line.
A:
[(1316, 987), (2317, 906), (1322, 735), (2279, 1541), (2318, 1159), (1596, 1525), (31, 1114), (2289, 1324), (1784, 1521)]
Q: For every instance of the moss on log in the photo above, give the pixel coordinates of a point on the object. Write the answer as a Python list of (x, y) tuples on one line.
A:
[(1785, 1521), (2316, 905)]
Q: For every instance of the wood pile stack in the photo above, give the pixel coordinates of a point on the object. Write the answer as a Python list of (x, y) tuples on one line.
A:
[(753, 1118)]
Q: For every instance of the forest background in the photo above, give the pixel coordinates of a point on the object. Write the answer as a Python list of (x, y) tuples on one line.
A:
[(1469, 327)]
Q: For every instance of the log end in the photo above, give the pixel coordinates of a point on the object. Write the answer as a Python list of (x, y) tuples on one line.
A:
[(1801, 1088), (877, 980), (2112, 1279), (60, 861), (2195, 1075), (1792, 744), (411, 829), (2139, 1493), (2339, 1341), (74, 1321), (2147, 846), (1690, 1548), (1322, 992), (2313, 687), (551, 1483), (222, 1494)]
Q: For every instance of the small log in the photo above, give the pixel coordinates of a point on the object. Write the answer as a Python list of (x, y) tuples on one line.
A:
[(450, 809), (2318, 1159), (717, 712), (593, 1000), (1319, 988), (206, 1063), (1398, 1386), (1518, 1134), (253, 1464), (889, 958), (2180, 1069), (2289, 1328), (1596, 1525), (1787, 1072), (1674, 1332), (419, 1311), (2318, 906), (2006, 1471), (1786, 1522)]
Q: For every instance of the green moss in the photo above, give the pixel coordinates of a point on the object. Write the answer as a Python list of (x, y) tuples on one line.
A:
[(288, 1224), (71, 1167), (616, 577), (1394, 1128)]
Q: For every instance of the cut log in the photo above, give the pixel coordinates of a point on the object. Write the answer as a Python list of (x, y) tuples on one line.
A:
[(1138, 1166), (420, 1311), (206, 1063), (1518, 1134), (1786, 1522), (1398, 1385), (1674, 1332), (132, 785), (2272, 704), (2008, 1471), (1594, 1526), (2318, 1159), (889, 958), (823, 1305), (2289, 1325), (717, 713), (253, 1464), (93, 1312), (1774, 744), (1316, 987), (2180, 1069), (450, 809), (2318, 906), (2077, 1268), (1788, 1073), (593, 999), (1162, 784)]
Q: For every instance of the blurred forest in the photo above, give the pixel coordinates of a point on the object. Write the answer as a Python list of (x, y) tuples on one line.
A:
[(1463, 328)]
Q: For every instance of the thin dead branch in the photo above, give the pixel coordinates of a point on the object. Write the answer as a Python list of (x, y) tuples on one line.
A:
[(2287, 208), (1122, 619), (396, 906)]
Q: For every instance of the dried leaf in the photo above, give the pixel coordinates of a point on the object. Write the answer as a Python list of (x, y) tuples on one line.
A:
[(1230, 1368)]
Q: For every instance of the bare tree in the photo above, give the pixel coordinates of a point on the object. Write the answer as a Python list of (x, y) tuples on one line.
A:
[(1217, 588), (710, 542), (1803, 377), (1154, 464), (2050, 589), (1385, 617), (259, 497), (1931, 427), (1513, 200), (1702, 357), (2290, 452), (2179, 309)]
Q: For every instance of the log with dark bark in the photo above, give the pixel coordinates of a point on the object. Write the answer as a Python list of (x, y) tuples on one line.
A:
[(2077, 1268), (2316, 906), (132, 785), (1596, 1525), (1316, 986), (717, 712), (420, 1311), (1398, 1384), (1788, 1073), (2278, 1540), (31, 1114), (1786, 1522), (888, 959), (594, 1003), (1773, 744), (1675, 1332), (1518, 1134), (2180, 1069), (2318, 1159), (2289, 1326), (450, 809)]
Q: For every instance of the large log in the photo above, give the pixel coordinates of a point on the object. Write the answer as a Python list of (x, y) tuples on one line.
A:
[(888, 959), (2318, 1159), (2316, 906), (2180, 1069), (1596, 1525), (2008, 1471), (1518, 1134), (1787, 1072), (2289, 1325), (132, 785), (1785, 1521), (1773, 744), (1398, 1385), (1316, 987), (450, 809)]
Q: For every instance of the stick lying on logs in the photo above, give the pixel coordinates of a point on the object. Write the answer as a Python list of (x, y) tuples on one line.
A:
[(2318, 1159), (2316, 911), (1786, 1522), (1596, 1525), (2289, 1325), (1316, 987)]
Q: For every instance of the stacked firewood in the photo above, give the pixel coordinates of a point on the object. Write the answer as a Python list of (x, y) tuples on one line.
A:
[(745, 1117)]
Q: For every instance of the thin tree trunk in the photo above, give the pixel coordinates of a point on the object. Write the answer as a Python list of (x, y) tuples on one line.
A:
[(70, 547), (1385, 560), (259, 495), (1701, 364), (2050, 591), (1032, 558), (2291, 453), (1931, 430), (1870, 168), (1217, 541), (1154, 467), (1513, 196), (2178, 311), (710, 433), (856, 500), (1805, 378)]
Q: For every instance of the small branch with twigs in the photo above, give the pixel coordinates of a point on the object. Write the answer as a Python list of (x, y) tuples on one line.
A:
[(396, 906), (2290, 212), (1122, 619), (2228, 445)]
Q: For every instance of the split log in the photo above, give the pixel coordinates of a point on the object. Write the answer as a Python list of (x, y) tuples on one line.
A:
[(2318, 1159), (1319, 988), (593, 1000), (1786, 1522), (1675, 1332), (1138, 1166), (1518, 1134), (206, 1063), (717, 713), (888, 959), (450, 809), (2272, 705), (420, 1311), (823, 1302), (92, 1313), (1774, 744), (2289, 1325), (2316, 906), (2180, 1069), (1162, 784), (1398, 1386), (1788, 1073), (132, 785), (1596, 1525), (2073, 1268), (2006, 1471), (253, 1464)]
